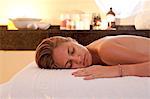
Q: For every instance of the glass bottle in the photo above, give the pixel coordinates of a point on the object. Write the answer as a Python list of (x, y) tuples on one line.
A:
[(111, 18)]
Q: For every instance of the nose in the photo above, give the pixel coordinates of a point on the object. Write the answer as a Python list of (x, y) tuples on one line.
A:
[(76, 58)]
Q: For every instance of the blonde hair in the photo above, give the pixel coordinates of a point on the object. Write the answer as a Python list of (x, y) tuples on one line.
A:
[(44, 51)]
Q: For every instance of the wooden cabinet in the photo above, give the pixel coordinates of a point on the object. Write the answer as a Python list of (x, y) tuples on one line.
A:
[(21, 39), (87, 36), (29, 39)]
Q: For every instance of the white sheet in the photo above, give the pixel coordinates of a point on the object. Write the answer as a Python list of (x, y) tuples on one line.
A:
[(35, 83)]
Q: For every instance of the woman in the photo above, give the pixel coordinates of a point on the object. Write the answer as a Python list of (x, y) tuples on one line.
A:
[(111, 56)]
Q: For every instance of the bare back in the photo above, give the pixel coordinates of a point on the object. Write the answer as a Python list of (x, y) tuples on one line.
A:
[(122, 49), (135, 43)]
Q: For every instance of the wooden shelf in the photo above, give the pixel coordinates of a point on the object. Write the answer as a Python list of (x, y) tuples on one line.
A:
[(29, 39)]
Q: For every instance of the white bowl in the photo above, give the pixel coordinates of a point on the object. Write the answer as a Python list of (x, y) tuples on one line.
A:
[(43, 25), (22, 23)]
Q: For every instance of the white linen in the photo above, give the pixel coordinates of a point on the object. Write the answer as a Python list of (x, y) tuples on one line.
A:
[(35, 83)]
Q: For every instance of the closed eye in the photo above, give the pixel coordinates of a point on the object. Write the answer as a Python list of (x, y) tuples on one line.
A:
[(71, 51)]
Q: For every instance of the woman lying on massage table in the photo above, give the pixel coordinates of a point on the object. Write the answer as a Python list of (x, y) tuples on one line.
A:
[(111, 56)]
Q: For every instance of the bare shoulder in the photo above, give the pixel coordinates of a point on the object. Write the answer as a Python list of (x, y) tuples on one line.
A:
[(126, 37), (124, 49), (128, 40), (138, 43)]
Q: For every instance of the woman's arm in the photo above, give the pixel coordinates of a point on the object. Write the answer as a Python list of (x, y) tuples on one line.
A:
[(92, 72), (132, 52), (140, 69)]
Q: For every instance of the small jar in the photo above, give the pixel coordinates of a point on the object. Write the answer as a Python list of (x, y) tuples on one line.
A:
[(96, 21)]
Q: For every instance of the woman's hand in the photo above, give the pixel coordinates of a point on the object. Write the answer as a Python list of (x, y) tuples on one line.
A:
[(97, 71)]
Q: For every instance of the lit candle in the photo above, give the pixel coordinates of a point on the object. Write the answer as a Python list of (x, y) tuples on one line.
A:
[(3, 21), (104, 24), (3, 24)]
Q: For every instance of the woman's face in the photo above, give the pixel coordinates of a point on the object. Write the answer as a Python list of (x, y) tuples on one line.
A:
[(71, 55)]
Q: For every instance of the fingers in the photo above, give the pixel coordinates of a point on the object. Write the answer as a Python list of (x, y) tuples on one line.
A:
[(84, 73), (88, 73), (90, 77), (81, 73)]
